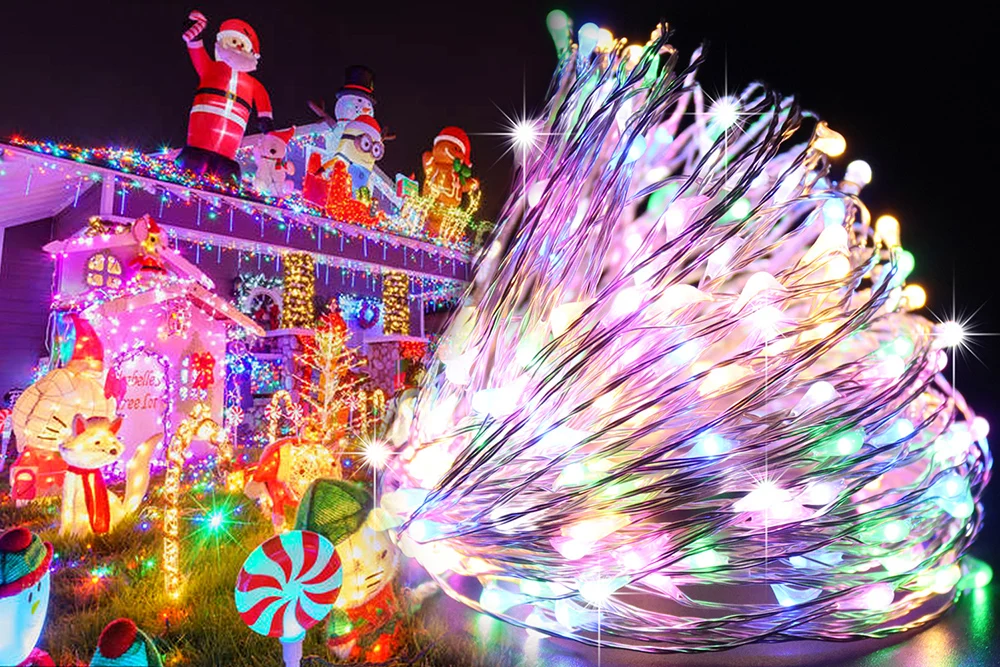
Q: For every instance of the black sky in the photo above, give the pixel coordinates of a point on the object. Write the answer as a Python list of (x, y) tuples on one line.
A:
[(912, 90)]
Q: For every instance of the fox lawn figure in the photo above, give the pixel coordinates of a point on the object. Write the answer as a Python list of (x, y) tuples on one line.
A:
[(87, 506)]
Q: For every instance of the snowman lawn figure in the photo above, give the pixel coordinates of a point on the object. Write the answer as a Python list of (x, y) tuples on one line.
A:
[(355, 98), (349, 134), (24, 597)]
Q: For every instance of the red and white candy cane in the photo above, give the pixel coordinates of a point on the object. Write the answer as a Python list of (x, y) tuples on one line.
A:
[(199, 24)]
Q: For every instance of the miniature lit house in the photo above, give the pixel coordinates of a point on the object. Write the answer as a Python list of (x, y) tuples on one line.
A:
[(163, 329)]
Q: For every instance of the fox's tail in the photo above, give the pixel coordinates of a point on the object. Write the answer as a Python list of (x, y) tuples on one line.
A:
[(137, 473)]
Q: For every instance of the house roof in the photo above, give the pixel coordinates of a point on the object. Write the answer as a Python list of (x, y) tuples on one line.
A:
[(209, 301), (193, 284), (171, 258), (31, 190)]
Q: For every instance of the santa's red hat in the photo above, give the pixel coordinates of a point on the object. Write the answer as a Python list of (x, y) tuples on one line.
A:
[(284, 135), (87, 348), (242, 29), (457, 136)]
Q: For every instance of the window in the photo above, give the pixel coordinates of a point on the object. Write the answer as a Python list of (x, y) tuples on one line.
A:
[(104, 270), (265, 308)]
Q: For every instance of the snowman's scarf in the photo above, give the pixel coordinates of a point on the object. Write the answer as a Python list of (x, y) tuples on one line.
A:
[(95, 493)]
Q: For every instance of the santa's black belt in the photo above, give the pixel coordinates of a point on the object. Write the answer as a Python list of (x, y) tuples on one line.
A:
[(224, 93)]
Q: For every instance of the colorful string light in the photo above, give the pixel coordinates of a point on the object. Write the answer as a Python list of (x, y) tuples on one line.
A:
[(211, 191), (692, 407), (298, 306), (396, 304), (199, 425)]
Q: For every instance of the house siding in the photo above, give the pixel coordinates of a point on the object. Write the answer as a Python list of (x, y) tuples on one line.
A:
[(25, 294)]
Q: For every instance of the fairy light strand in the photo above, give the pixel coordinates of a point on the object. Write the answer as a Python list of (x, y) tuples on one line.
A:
[(689, 422)]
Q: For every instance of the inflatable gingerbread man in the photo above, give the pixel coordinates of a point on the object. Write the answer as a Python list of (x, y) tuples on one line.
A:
[(448, 168), (225, 96)]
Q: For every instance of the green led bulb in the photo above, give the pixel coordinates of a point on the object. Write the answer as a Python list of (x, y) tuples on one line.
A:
[(844, 443), (889, 532), (560, 28), (975, 574)]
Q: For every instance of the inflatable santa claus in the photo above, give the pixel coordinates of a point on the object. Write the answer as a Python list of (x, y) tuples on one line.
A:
[(225, 97)]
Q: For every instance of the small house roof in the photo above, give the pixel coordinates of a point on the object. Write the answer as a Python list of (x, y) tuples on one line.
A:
[(171, 258), (207, 300)]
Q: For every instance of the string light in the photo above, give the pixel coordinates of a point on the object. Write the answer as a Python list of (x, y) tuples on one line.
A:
[(637, 413), (198, 425), (298, 302), (185, 188), (396, 304)]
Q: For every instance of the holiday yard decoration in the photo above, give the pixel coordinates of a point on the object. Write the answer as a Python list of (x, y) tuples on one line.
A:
[(273, 170), (225, 97), (199, 425), (448, 168), (24, 596), (366, 621), (43, 414), (287, 585), (87, 506), (122, 644)]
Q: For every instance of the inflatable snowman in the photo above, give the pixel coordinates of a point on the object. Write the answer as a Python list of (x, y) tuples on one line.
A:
[(24, 597), (355, 99)]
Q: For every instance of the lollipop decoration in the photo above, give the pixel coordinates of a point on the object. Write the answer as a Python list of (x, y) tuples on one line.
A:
[(287, 585)]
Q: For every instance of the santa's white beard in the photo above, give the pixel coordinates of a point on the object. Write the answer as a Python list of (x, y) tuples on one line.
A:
[(238, 60)]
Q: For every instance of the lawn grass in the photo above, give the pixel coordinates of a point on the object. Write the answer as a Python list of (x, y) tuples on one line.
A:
[(119, 575)]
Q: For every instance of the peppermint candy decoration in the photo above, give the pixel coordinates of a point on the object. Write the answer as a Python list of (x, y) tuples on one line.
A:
[(296, 414), (353, 401), (235, 416), (288, 584)]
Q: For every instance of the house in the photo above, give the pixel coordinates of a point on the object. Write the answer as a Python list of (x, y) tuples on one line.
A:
[(232, 249)]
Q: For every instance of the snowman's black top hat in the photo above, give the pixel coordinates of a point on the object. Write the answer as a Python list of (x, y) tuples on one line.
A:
[(358, 80)]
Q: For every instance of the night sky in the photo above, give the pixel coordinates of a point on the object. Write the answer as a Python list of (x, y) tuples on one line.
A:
[(911, 91)]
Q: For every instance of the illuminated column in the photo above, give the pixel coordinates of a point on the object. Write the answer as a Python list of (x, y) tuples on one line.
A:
[(396, 304), (298, 309)]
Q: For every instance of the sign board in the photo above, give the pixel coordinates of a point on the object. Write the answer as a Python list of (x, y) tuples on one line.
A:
[(145, 402)]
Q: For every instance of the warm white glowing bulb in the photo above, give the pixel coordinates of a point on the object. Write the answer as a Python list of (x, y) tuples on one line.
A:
[(377, 454), (951, 334), (915, 297), (605, 39), (829, 141), (859, 172), (726, 112), (524, 134), (887, 231)]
